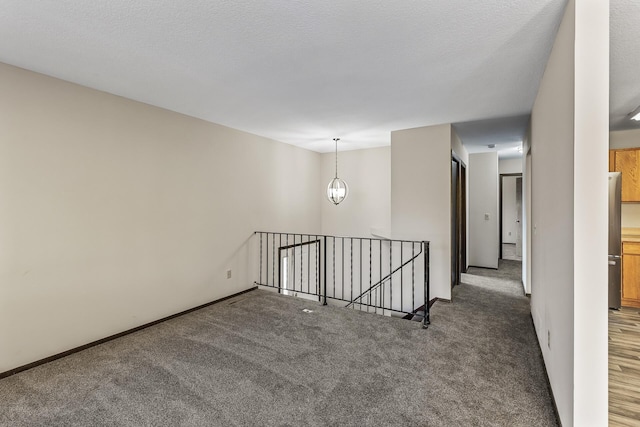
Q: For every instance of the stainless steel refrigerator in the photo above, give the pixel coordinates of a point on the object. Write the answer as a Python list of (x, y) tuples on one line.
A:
[(615, 246)]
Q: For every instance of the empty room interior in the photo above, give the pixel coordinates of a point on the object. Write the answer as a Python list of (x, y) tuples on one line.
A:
[(318, 213)]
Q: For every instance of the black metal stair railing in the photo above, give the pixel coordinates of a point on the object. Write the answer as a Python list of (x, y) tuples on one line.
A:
[(380, 283), (384, 276)]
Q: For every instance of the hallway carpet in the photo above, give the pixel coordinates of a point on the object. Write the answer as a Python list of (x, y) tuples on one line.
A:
[(259, 359), (509, 270)]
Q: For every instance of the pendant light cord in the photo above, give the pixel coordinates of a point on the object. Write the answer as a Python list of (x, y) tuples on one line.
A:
[(336, 140)]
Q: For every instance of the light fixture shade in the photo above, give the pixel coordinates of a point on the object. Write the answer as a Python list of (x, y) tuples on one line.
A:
[(337, 190)]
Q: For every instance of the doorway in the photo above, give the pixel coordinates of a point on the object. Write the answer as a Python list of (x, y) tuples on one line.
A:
[(511, 216), (458, 219)]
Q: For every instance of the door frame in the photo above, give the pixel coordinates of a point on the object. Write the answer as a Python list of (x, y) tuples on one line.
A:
[(502, 175), (459, 221)]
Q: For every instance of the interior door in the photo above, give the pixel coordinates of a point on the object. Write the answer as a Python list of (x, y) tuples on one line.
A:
[(458, 220), (519, 217), (454, 223), (463, 220)]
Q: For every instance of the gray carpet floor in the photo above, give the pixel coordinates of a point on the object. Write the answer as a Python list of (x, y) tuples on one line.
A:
[(509, 270), (259, 359)]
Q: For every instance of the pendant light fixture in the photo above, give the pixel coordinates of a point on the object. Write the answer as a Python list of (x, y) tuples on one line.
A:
[(337, 189)]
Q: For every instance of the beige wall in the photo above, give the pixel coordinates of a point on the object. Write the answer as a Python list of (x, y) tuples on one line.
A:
[(114, 213), (421, 196), (510, 165), (367, 209), (569, 217)]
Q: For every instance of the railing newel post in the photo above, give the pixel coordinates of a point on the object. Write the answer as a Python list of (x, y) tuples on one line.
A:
[(280, 270), (426, 320)]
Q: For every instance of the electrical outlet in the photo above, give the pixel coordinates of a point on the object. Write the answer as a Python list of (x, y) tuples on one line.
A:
[(509, 233), (228, 274), (549, 339)]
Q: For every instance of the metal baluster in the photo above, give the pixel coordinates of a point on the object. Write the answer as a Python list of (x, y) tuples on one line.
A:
[(309, 264), (280, 269), (260, 258), (370, 272), (342, 256), (279, 261), (325, 271), (286, 254), (360, 273), (351, 268), (413, 276), (401, 276), (380, 283), (301, 262), (426, 285), (334, 266), (391, 274)]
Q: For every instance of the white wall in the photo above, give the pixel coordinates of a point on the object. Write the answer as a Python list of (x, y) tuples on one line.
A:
[(458, 148), (114, 213), (483, 201), (630, 215), (509, 209), (591, 127), (624, 139), (552, 217), (367, 209), (421, 196), (569, 199), (510, 166), (627, 139), (527, 230)]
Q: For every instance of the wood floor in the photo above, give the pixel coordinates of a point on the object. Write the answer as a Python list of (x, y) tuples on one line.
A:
[(624, 367)]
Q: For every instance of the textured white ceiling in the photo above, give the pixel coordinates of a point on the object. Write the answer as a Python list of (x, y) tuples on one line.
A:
[(625, 62), (300, 72), (505, 133)]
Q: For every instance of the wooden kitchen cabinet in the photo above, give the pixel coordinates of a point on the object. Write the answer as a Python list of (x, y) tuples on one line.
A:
[(627, 161), (612, 160), (631, 274)]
